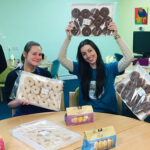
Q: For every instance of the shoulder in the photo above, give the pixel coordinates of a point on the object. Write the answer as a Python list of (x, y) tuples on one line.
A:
[(13, 73), (111, 66), (44, 72)]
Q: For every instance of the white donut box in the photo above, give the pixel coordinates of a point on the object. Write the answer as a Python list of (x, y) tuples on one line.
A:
[(40, 91)]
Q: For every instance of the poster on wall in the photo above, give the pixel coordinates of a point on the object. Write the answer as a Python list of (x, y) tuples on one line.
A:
[(141, 15)]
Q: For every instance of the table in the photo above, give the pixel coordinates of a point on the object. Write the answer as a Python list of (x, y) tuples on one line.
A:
[(131, 134)]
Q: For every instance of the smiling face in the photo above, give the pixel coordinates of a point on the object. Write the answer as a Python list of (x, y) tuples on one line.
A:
[(89, 55), (34, 56)]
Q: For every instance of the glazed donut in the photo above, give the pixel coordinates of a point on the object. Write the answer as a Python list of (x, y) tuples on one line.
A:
[(57, 87), (43, 102), (24, 97), (51, 104), (85, 13), (80, 119), (96, 145), (100, 145), (95, 12), (26, 89), (74, 120), (38, 83), (54, 96), (35, 90), (29, 81), (85, 118), (75, 13), (32, 98), (104, 12), (109, 142), (98, 21), (48, 85), (96, 31), (86, 31), (44, 95)]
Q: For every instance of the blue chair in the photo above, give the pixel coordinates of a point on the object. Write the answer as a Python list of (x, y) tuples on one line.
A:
[(55, 68), (118, 56)]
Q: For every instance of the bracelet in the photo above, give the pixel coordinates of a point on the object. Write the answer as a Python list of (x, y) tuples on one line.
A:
[(116, 35)]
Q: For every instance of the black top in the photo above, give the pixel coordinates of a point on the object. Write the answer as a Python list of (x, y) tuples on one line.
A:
[(3, 63), (23, 109)]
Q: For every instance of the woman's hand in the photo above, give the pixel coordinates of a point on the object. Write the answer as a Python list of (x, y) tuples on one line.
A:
[(24, 103), (112, 26), (68, 30)]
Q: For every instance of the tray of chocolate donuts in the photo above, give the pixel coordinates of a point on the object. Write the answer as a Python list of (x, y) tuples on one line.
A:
[(134, 90), (91, 19), (40, 91), (45, 135)]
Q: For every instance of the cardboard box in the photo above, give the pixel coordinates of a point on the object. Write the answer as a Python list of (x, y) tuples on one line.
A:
[(100, 139), (79, 115)]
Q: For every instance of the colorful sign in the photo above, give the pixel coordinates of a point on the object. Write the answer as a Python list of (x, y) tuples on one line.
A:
[(141, 15)]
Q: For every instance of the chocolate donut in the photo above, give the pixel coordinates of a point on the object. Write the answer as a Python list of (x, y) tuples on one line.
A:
[(104, 12), (106, 31), (134, 75), (86, 31), (80, 19), (96, 31), (75, 31), (140, 82), (107, 20), (75, 13), (147, 88), (76, 24), (95, 12), (120, 87), (85, 13), (98, 21)]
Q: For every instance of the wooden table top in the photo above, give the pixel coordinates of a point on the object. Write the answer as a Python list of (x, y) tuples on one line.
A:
[(131, 134)]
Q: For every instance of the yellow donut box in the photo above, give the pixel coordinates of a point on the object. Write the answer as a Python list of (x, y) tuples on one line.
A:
[(79, 115), (100, 139)]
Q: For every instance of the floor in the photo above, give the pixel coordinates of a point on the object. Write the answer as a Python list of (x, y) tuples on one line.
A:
[(69, 85)]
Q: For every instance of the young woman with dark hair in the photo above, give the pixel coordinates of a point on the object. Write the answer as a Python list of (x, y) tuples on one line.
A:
[(31, 57), (96, 78)]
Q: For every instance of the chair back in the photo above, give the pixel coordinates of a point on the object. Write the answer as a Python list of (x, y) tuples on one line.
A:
[(118, 56), (74, 98), (4, 74), (55, 68)]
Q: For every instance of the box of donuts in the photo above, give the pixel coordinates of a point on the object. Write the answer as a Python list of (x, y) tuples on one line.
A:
[(134, 90), (99, 139), (45, 135), (40, 91), (79, 115), (92, 19)]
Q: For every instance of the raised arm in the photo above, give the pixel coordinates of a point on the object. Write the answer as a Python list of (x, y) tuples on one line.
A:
[(68, 64), (127, 54)]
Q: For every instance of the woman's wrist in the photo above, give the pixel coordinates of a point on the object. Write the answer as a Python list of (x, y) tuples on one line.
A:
[(116, 35)]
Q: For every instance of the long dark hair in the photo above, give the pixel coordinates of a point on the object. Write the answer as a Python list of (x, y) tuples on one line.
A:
[(28, 47), (86, 70)]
